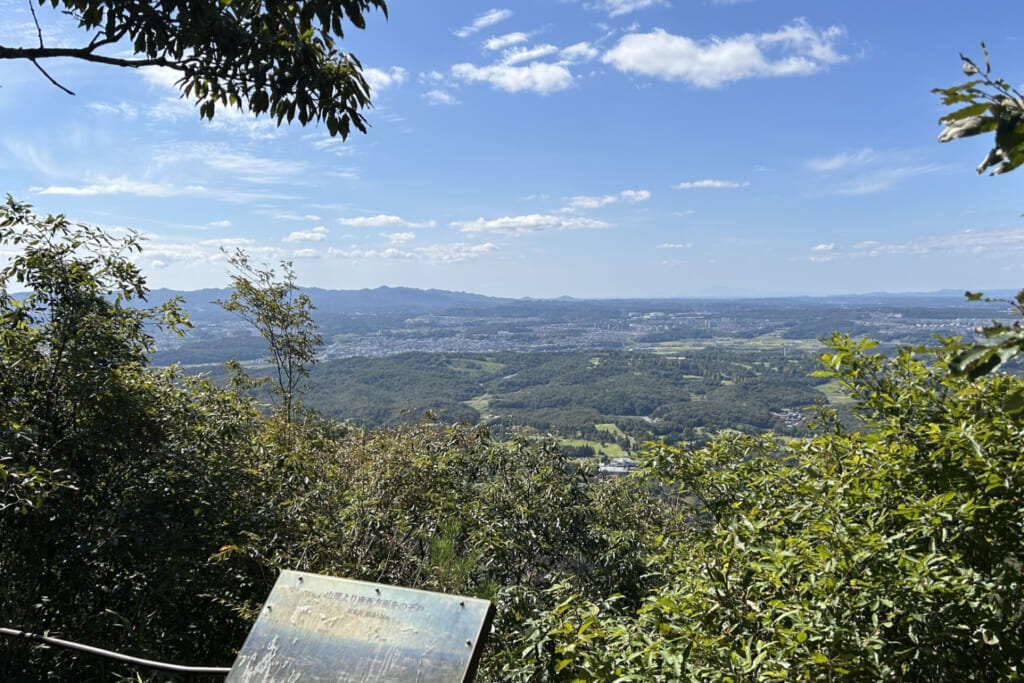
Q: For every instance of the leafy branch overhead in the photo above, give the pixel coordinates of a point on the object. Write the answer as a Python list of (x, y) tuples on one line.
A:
[(275, 58), (990, 105)]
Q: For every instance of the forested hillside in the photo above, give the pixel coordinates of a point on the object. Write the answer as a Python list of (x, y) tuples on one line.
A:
[(150, 511), (569, 393)]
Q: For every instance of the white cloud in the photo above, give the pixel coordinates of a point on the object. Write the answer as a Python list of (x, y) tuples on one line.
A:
[(121, 185), (382, 221), (995, 242), (251, 168), (584, 202), (708, 183), (126, 110), (220, 224), (454, 253), (536, 77), (843, 160), (516, 225), (619, 7), (296, 217), (439, 97), (797, 49), (201, 255), (882, 179), (524, 54), (315, 235), (400, 237), (431, 77), (488, 18), (335, 146), (675, 245), (436, 253), (160, 77), (507, 40), (634, 196), (580, 52), (378, 79)]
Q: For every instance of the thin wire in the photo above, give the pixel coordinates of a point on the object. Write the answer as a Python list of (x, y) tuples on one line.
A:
[(148, 663)]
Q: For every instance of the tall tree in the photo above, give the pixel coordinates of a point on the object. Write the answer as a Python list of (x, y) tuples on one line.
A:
[(279, 58), (283, 316)]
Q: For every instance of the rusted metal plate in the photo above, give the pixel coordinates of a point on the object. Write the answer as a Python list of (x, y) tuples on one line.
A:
[(320, 628)]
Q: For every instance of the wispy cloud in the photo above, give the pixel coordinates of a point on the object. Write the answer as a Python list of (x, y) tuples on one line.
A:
[(585, 202), (435, 97), (843, 160), (383, 221), (296, 217), (709, 183), (634, 196), (675, 245), (526, 54), (317, 234), (537, 77), (997, 241), (456, 252), (399, 237), (793, 50), (579, 52), (994, 242), (253, 169), (516, 225), (121, 185), (488, 18), (124, 109), (882, 179), (507, 40), (820, 253), (380, 79), (616, 8)]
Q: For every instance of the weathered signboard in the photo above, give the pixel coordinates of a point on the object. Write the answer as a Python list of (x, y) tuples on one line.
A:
[(319, 628)]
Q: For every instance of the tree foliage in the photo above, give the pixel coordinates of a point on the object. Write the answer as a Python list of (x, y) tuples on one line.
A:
[(283, 316), (988, 105), (264, 57), (891, 553), (118, 482)]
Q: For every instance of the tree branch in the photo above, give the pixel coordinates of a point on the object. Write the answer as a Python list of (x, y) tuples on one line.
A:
[(35, 19), (50, 78), (85, 54), (39, 32)]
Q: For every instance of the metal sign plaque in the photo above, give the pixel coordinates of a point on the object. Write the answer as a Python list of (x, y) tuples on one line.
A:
[(320, 628)]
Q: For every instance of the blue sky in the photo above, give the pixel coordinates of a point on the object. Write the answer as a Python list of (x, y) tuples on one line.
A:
[(592, 148)]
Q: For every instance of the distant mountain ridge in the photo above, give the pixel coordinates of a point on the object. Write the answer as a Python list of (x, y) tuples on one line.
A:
[(200, 303), (384, 299)]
